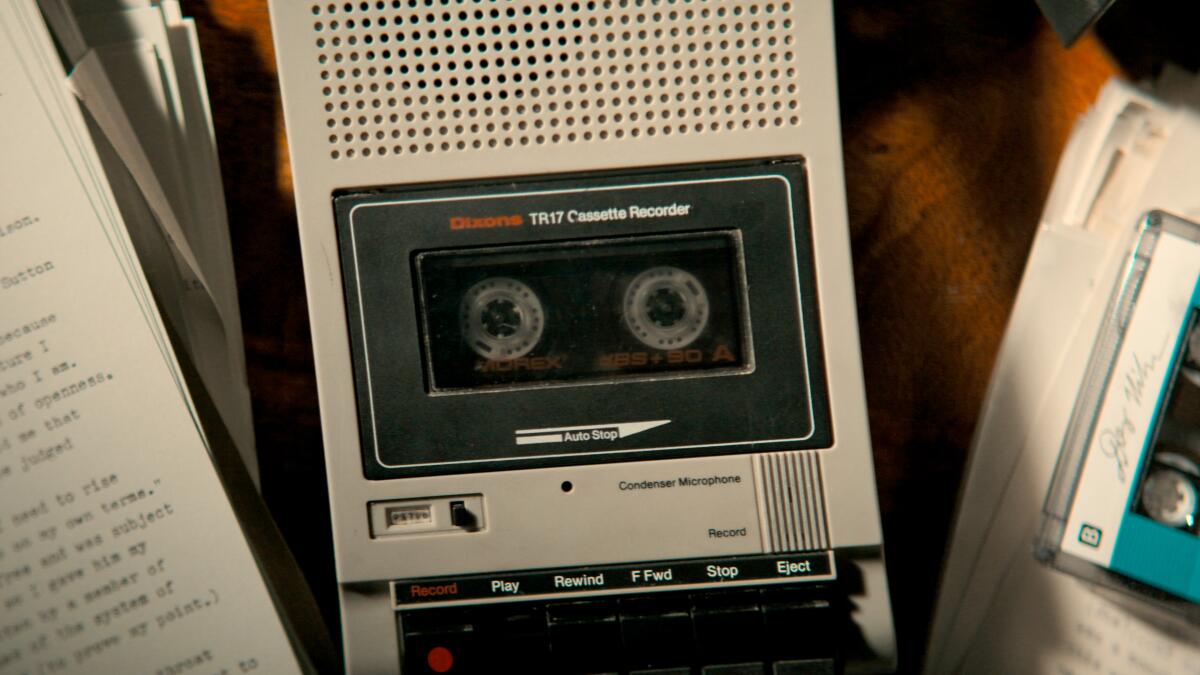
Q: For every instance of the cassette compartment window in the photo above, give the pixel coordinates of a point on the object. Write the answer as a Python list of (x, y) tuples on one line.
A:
[(1169, 492), (649, 306)]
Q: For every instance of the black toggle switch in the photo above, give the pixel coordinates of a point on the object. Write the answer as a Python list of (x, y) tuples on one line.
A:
[(461, 517)]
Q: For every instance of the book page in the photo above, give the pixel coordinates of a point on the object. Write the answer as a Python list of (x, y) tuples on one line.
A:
[(1043, 621), (119, 551)]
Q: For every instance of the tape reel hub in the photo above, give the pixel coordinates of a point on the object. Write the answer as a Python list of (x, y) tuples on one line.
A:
[(502, 318), (1169, 494), (666, 307)]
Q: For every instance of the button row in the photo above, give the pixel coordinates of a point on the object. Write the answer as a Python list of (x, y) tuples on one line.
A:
[(775, 631), (600, 578)]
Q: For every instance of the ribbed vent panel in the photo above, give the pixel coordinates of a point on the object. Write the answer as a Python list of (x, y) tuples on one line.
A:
[(405, 77), (792, 497)]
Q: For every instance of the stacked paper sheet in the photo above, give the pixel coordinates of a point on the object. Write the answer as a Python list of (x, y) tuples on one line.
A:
[(135, 66), (121, 550), (999, 609)]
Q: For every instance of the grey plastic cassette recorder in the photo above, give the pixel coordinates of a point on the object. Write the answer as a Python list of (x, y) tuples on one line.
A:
[(583, 316)]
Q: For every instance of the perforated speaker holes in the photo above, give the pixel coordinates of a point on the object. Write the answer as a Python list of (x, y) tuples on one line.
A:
[(428, 76)]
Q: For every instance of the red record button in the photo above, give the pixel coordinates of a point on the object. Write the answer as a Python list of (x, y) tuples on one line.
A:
[(440, 660)]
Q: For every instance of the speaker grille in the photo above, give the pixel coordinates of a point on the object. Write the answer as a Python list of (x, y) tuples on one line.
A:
[(792, 499), (435, 76)]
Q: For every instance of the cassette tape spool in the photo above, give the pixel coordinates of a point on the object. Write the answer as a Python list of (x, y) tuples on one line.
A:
[(666, 307), (502, 318), (1169, 493), (584, 310)]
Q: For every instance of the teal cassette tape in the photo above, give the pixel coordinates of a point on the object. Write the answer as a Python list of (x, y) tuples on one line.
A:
[(1123, 508)]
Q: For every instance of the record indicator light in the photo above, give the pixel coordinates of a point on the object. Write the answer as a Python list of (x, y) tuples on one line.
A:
[(440, 660)]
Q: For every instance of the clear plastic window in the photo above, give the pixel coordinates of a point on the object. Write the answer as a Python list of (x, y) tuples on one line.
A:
[(670, 305)]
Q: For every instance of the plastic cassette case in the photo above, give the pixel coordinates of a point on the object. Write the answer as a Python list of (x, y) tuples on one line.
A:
[(1123, 508)]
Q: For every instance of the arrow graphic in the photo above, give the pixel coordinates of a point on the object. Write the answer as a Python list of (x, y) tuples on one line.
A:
[(588, 432)]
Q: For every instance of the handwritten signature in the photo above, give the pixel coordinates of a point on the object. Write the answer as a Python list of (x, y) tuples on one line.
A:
[(1114, 443), (1115, 440)]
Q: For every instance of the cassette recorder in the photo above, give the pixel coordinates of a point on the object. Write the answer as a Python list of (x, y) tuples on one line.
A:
[(1124, 503), (585, 339)]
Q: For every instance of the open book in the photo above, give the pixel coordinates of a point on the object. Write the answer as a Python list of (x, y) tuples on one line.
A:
[(122, 386)]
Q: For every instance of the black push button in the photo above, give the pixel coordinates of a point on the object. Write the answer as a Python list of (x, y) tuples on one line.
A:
[(735, 669), (585, 637), (460, 516), (729, 627), (804, 667), (657, 633), (799, 626), (514, 639), (445, 652)]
